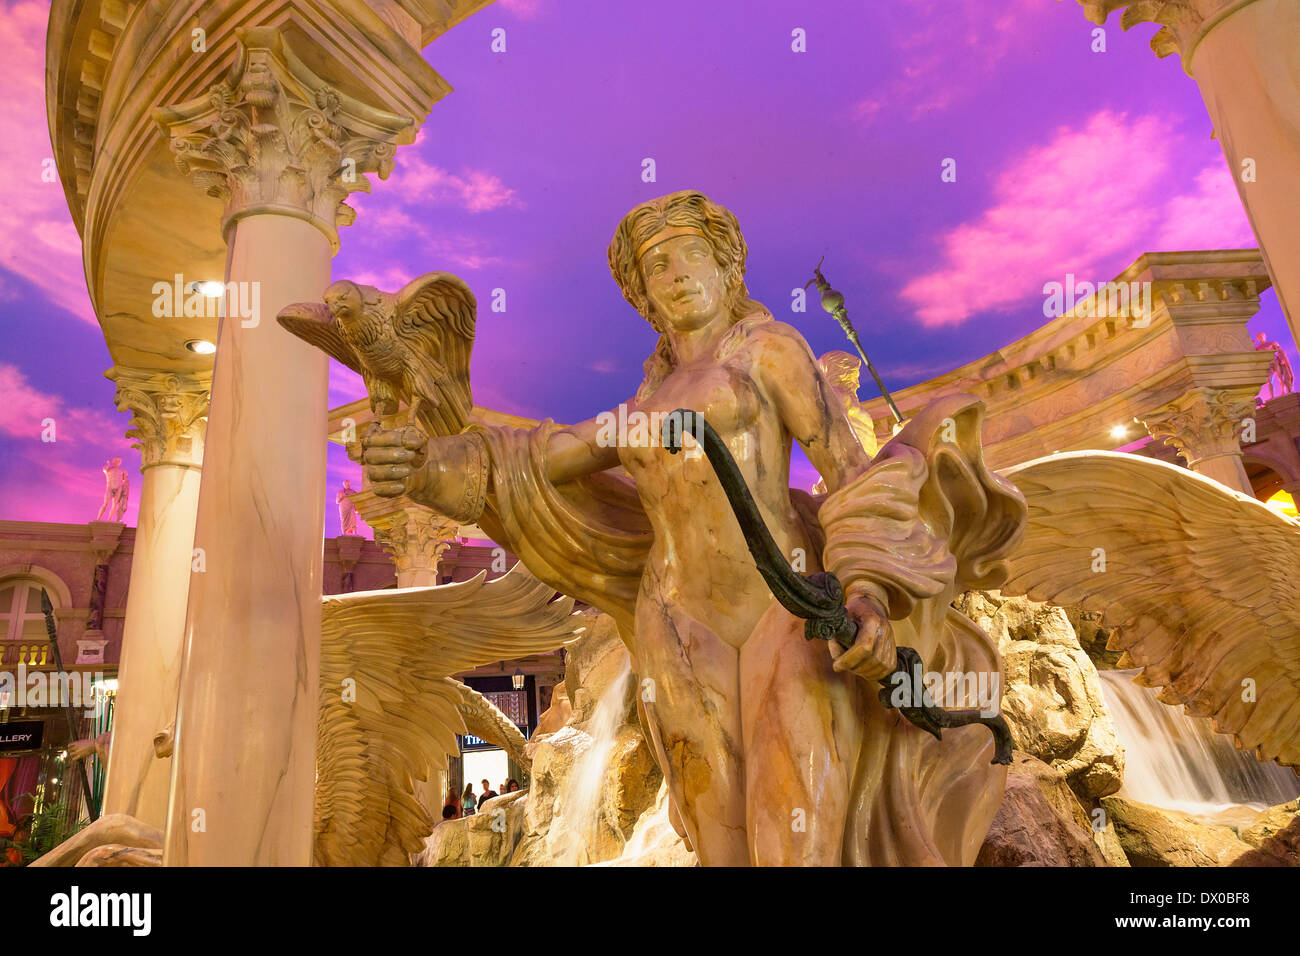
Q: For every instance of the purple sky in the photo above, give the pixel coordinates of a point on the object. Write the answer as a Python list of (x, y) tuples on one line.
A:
[(1068, 161)]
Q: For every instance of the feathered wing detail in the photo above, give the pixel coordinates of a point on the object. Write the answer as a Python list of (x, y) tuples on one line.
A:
[(389, 716), (435, 319), (314, 323), (487, 722), (1199, 580)]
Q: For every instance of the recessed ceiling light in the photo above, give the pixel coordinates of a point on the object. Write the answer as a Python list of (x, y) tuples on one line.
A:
[(1119, 432), (211, 288), (200, 346)]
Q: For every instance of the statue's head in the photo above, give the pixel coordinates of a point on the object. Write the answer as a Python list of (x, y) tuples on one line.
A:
[(1259, 337), (842, 370), (117, 462), (343, 298), (680, 261), (347, 484)]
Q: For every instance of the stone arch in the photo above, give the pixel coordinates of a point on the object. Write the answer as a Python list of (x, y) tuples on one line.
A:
[(60, 593)]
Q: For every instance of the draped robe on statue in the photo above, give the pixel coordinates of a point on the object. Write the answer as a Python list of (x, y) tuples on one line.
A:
[(926, 521)]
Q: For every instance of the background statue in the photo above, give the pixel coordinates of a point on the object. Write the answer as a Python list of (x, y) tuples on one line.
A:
[(1280, 369), (347, 510), (842, 371), (117, 489), (776, 750)]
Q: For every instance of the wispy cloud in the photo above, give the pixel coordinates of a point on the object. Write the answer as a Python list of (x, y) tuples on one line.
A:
[(37, 239), (929, 36), (1083, 199), (475, 190)]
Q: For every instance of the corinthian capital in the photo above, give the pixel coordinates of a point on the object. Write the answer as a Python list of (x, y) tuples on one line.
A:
[(275, 137), (415, 537), (1204, 423), (1183, 22), (168, 414)]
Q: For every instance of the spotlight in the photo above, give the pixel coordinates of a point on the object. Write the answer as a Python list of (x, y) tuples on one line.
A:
[(212, 289), (1119, 432), (200, 346)]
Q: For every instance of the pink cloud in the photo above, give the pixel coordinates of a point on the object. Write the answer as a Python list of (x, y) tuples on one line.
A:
[(24, 409), (1086, 197), (526, 9), (37, 239), (934, 33), (474, 189)]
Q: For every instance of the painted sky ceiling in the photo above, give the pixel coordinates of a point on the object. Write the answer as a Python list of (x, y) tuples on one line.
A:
[(1068, 161)]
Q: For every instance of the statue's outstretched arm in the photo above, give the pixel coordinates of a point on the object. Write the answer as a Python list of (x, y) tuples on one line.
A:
[(577, 450)]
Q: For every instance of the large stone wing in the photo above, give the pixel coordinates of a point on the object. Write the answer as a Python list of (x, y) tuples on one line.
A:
[(388, 715), (435, 319), (315, 324), (1199, 580)]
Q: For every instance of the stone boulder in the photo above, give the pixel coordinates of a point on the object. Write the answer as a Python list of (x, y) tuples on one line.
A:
[(1040, 822), (1153, 836), (486, 838), (1052, 698), (654, 842)]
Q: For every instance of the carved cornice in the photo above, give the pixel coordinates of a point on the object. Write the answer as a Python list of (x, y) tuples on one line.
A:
[(168, 414), (276, 138), (1183, 23), (1204, 423)]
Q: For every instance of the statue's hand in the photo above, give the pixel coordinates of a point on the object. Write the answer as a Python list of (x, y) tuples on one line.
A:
[(873, 654), (394, 460)]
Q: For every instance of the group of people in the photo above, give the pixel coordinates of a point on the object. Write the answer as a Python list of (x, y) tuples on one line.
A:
[(467, 804)]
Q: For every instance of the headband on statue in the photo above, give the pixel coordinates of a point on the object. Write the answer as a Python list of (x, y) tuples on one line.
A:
[(672, 232)]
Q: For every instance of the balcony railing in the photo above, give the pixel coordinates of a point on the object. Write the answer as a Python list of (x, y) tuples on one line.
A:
[(31, 653)]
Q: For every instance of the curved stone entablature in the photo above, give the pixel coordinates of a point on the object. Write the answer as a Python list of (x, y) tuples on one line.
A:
[(111, 63), (1066, 385)]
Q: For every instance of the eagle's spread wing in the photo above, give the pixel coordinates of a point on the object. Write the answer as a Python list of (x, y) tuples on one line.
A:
[(435, 320), (315, 324), (1199, 581), (388, 716)]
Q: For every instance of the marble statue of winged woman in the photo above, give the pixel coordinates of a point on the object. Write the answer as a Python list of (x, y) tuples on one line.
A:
[(776, 750)]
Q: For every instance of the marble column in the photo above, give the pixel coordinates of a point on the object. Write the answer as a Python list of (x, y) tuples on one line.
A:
[(169, 417), (416, 538), (280, 147), (1245, 58), (1206, 425)]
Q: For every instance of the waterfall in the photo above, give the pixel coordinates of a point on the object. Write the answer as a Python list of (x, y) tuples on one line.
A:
[(1180, 763), (579, 803)]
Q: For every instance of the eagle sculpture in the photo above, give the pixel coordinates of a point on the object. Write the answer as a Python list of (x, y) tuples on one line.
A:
[(411, 347)]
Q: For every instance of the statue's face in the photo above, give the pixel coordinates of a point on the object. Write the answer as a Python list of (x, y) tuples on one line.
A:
[(116, 462), (684, 282)]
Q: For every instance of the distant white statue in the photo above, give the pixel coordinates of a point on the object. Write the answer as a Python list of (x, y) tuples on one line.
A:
[(347, 510), (1280, 369), (117, 489)]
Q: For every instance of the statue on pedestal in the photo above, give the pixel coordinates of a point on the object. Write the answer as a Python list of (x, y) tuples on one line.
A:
[(776, 750), (117, 490), (347, 509), (1280, 369)]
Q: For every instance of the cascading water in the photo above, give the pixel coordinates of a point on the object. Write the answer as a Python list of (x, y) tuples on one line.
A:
[(579, 802), (1180, 763)]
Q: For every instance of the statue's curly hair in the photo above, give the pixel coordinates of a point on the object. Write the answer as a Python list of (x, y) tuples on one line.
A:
[(686, 207)]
